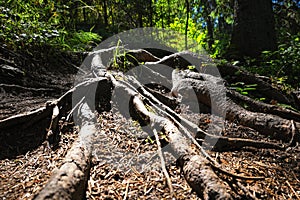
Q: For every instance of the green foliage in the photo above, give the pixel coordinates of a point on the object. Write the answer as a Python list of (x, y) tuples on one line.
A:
[(220, 45), (287, 107), (122, 59), (195, 36), (24, 24), (242, 88), (191, 67), (82, 40), (66, 25), (29, 24), (284, 64), (149, 140)]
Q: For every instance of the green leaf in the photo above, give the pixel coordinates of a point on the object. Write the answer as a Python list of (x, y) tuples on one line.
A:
[(191, 67), (249, 89), (236, 62), (237, 83), (251, 85)]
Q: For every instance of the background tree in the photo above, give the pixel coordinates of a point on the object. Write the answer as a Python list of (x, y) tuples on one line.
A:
[(213, 24), (254, 28)]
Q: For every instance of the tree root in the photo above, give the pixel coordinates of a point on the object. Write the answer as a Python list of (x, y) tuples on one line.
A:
[(266, 124), (156, 108), (70, 180)]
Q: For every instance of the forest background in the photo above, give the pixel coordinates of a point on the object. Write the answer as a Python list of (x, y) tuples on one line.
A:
[(259, 35)]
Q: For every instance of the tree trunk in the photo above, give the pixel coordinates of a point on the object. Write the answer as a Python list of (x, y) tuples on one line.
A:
[(208, 7), (210, 32), (187, 22), (150, 13), (111, 14), (253, 29), (84, 15), (139, 9), (105, 16), (169, 12), (162, 17)]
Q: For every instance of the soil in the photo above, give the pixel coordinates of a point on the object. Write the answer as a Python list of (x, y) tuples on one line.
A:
[(116, 171), (26, 83)]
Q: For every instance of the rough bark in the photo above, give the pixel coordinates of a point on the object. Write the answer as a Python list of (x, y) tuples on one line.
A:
[(228, 72), (105, 16), (277, 127), (258, 106), (201, 178), (196, 169), (199, 169), (253, 29), (70, 180)]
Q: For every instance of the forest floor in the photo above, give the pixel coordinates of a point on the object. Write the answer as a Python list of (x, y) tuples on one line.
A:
[(113, 175)]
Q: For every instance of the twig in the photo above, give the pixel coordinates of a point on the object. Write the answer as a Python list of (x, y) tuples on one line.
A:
[(126, 191), (294, 192), (163, 164), (246, 191), (71, 112), (292, 141), (10, 86), (212, 161)]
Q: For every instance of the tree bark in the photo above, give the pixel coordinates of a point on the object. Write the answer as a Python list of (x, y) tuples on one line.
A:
[(253, 29), (187, 4), (140, 10), (105, 16), (202, 172)]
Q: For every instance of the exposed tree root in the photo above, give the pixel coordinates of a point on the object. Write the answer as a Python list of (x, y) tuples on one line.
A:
[(223, 144), (69, 181), (205, 183), (266, 124), (235, 74), (231, 73), (152, 104), (257, 106), (182, 147)]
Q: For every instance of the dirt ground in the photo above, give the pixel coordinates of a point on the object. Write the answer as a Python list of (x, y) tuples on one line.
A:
[(115, 176)]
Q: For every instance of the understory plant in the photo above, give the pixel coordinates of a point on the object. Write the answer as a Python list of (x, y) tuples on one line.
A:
[(33, 24), (282, 65)]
